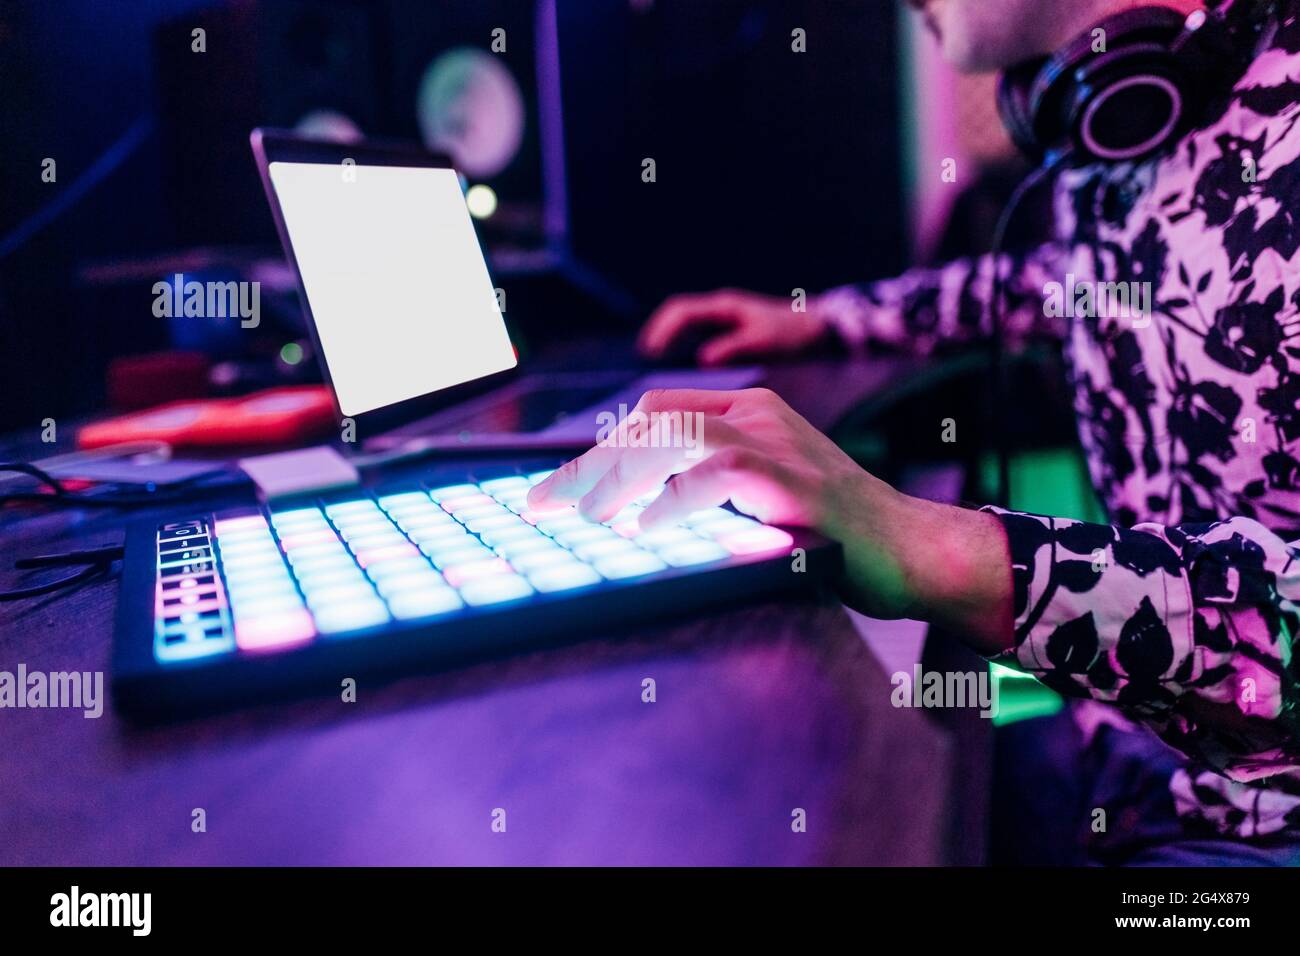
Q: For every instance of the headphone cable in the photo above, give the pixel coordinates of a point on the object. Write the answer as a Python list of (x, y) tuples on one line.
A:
[(1000, 386)]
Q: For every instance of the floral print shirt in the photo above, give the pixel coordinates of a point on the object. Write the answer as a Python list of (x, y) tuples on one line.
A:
[(1182, 612)]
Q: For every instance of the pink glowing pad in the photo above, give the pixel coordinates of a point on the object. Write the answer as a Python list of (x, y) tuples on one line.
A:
[(756, 540), (274, 631)]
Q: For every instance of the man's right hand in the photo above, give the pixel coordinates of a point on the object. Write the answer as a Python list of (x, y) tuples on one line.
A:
[(749, 325)]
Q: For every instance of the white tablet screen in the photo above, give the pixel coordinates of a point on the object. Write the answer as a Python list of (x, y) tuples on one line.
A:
[(395, 278)]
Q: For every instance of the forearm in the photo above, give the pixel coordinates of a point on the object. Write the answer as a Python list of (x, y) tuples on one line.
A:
[(924, 309), (960, 573), (907, 557)]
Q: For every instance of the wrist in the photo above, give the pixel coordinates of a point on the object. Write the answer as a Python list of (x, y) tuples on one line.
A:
[(809, 327), (908, 557), (958, 569)]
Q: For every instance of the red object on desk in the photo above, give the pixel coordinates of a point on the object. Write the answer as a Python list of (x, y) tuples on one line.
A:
[(276, 416)]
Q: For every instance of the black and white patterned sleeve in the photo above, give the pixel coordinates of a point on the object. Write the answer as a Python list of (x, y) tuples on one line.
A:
[(924, 308), (1189, 629)]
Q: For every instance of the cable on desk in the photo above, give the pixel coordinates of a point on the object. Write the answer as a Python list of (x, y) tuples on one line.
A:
[(157, 450), (90, 563), (60, 495)]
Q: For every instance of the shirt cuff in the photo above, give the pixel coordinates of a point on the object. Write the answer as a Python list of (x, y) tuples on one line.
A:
[(847, 312), (1101, 612)]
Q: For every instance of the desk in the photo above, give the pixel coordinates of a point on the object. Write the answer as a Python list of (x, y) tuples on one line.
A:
[(759, 711)]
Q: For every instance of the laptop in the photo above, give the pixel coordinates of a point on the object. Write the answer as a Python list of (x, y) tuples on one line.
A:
[(428, 564)]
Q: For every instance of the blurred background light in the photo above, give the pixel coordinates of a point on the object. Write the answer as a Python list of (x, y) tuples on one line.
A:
[(482, 201)]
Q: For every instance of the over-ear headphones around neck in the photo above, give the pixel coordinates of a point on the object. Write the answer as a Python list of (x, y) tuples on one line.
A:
[(1131, 85)]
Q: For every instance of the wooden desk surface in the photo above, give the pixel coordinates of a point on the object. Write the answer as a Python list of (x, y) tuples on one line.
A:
[(759, 711)]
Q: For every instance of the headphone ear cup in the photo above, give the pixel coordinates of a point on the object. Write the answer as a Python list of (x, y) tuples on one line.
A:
[(1014, 108), (1047, 100), (1130, 107)]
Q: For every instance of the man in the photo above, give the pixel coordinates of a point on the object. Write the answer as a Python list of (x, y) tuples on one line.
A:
[(1181, 614)]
